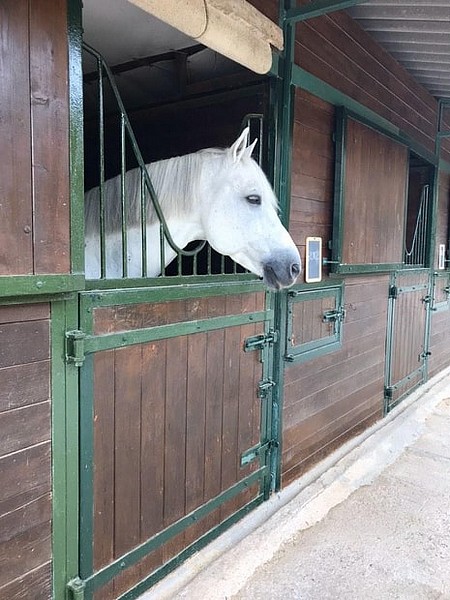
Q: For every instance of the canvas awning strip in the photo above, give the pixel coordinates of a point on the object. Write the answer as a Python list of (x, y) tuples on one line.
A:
[(234, 28)]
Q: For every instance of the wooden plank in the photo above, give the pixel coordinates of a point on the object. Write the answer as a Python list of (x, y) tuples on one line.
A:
[(103, 543), (50, 118), (25, 517), (35, 585), (175, 429), (24, 427), (127, 438), (23, 385), (16, 313), (24, 476), (195, 424), (25, 552), (22, 343), (175, 438), (231, 398), (127, 450), (376, 170), (16, 224), (152, 445)]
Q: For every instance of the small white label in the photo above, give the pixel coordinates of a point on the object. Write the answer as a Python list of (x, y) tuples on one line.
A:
[(441, 264), (313, 271)]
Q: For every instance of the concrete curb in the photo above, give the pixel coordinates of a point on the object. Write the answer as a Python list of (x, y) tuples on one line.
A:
[(222, 568)]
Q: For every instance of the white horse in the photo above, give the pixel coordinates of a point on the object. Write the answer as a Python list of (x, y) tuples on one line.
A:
[(221, 196)]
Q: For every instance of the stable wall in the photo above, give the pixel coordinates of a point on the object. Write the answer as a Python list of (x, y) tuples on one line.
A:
[(331, 398), (25, 452)]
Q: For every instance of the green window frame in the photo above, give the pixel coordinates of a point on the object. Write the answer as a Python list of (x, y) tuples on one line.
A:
[(415, 152), (326, 308), (441, 291)]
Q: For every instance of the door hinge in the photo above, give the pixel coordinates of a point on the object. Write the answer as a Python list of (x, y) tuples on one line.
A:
[(264, 387), (256, 451), (337, 315), (77, 588), (75, 347), (393, 292), (258, 342), (388, 392)]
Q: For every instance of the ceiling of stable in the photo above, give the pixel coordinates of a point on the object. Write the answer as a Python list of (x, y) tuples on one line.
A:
[(414, 32)]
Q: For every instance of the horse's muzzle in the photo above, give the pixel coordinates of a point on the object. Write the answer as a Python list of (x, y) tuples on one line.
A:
[(280, 273)]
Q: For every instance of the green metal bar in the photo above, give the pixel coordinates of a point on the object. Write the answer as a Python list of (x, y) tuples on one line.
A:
[(86, 559), (339, 194), (101, 134), (22, 285), (123, 204), (143, 226), (163, 293), (318, 8), (367, 268), (140, 336), (76, 154), (64, 314), (190, 550), (103, 576), (280, 141), (138, 156)]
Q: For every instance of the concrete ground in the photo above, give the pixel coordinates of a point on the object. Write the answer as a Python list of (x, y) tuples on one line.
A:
[(371, 522)]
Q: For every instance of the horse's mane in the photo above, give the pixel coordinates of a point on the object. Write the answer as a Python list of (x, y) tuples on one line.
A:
[(175, 181)]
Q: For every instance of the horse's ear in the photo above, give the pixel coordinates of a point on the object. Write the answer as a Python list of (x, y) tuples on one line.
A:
[(249, 149), (240, 145)]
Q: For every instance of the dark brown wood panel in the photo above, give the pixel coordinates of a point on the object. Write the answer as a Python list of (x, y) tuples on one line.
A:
[(34, 145), (375, 186), (312, 170), (439, 342), (50, 125), (338, 51), (171, 420), (25, 457), (16, 222), (332, 397), (35, 585)]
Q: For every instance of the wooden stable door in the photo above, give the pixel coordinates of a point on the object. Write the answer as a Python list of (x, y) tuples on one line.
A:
[(406, 348), (171, 420)]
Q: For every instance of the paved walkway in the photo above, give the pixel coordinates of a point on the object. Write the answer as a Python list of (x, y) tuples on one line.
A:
[(375, 525)]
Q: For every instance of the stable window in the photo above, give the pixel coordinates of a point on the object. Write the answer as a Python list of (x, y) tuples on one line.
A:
[(382, 208), (315, 319)]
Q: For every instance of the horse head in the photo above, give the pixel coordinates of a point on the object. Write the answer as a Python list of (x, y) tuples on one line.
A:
[(240, 219)]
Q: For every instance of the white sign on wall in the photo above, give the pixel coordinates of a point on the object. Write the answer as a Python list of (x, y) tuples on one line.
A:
[(313, 271), (441, 263)]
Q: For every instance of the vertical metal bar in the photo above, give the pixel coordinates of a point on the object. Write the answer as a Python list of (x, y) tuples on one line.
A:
[(162, 251), (143, 225), (65, 435), (123, 205), (87, 468), (222, 264), (76, 154), (209, 261), (101, 138)]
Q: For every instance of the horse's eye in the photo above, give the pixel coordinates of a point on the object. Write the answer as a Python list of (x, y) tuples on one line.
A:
[(253, 199)]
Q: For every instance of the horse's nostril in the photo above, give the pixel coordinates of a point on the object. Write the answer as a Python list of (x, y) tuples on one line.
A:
[(295, 270)]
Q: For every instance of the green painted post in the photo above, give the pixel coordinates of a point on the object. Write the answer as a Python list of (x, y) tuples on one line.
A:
[(64, 388), (76, 157)]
